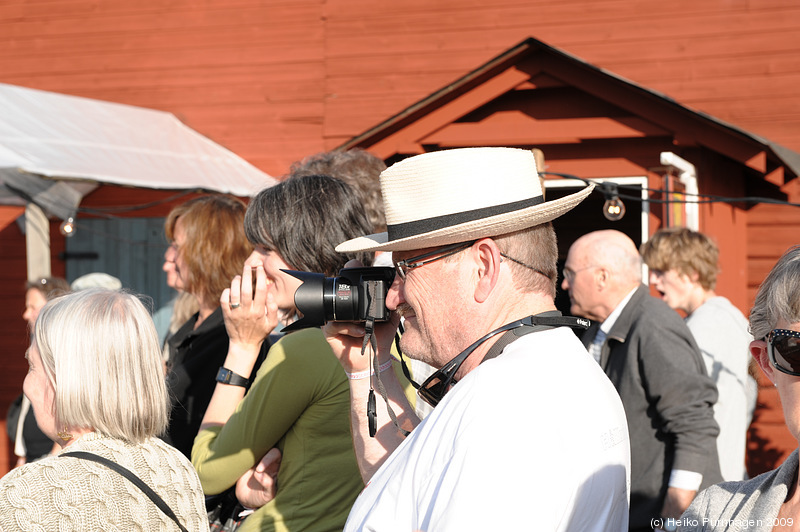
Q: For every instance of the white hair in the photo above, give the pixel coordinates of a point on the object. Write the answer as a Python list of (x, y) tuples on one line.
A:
[(100, 351)]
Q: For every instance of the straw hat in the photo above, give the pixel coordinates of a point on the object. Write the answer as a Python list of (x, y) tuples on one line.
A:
[(452, 196)]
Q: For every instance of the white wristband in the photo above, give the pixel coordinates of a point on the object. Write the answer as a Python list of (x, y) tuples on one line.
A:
[(367, 373), (686, 480)]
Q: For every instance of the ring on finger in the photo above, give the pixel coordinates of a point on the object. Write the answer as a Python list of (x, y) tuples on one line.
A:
[(235, 305)]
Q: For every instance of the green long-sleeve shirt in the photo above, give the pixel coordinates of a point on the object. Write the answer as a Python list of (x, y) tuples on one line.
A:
[(300, 403)]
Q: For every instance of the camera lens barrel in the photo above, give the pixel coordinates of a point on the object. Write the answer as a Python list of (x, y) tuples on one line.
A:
[(344, 298), (341, 300)]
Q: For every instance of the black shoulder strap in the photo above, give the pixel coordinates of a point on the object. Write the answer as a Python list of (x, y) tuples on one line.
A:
[(139, 483), (539, 322)]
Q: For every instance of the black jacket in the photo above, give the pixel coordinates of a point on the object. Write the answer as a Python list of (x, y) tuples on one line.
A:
[(195, 357)]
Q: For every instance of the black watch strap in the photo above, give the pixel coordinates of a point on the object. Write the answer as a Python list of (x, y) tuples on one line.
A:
[(226, 376)]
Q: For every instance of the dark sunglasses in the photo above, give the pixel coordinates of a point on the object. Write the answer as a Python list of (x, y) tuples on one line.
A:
[(783, 348)]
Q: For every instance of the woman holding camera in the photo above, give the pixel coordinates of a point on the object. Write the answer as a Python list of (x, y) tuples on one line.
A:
[(299, 402)]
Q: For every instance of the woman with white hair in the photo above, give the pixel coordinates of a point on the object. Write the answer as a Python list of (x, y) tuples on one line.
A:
[(97, 387)]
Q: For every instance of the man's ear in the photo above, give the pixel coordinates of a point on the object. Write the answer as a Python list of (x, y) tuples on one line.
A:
[(758, 348), (601, 278), (488, 258)]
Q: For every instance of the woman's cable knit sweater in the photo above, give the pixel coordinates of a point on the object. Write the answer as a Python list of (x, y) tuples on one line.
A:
[(62, 493)]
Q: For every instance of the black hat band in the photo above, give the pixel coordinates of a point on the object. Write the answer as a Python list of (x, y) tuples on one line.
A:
[(418, 227)]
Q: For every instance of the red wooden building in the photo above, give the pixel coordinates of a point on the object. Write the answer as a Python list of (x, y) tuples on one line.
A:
[(712, 82)]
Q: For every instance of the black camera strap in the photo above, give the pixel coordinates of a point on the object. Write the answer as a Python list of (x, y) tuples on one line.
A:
[(433, 390), (538, 322), (375, 376), (509, 332)]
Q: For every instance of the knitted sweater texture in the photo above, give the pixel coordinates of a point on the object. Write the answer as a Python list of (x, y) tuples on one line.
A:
[(67, 493)]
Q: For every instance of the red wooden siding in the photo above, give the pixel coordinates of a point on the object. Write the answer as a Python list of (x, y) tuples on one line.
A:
[(279, 80), (735, 60), (248, 74)]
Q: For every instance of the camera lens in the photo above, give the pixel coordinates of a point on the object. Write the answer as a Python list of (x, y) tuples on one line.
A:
[(341, 301), (348, 297)]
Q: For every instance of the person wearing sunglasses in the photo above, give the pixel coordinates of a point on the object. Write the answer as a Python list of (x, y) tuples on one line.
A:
[(527, 432), (770, 501), (683, 268)]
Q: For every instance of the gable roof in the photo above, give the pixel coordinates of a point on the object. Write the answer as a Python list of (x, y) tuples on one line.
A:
[(443, 119)]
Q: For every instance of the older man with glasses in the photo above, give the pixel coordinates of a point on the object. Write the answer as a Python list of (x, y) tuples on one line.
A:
[(650, 356), (527, 433)]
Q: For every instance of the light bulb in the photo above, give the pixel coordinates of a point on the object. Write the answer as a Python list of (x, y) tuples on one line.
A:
[(68, 227), (614, 209)]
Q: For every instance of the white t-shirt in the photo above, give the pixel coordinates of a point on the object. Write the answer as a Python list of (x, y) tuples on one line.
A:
[(535, 439)]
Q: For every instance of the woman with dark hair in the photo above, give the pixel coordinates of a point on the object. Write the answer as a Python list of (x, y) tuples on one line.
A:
[(300, 400), (30, 443), (207, 248)]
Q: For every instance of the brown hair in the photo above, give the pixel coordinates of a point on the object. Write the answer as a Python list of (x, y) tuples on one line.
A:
[(684, 250), (50, 287), (538, 248), (215, 247), (533, 253), (304, 218)]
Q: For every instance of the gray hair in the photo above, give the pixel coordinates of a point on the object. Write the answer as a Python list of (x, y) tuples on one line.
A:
[(778, 297), (356, 167), (100, 351)]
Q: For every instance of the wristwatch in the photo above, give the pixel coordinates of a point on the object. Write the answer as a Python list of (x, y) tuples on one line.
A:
[(226, 376)]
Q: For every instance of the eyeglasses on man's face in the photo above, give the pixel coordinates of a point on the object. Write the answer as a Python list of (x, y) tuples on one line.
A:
[(403, 266), (783, 348), (569, 274)]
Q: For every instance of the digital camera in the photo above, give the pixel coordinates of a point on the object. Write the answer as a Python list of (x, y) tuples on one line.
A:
[(347, 297)]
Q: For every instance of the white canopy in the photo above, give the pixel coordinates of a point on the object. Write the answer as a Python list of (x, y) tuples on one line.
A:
[(82, 142)]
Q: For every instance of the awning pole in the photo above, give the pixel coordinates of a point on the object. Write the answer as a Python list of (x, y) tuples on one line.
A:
[(37, 242)]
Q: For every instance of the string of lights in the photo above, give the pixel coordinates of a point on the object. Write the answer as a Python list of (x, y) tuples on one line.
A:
[(614, 209), (68, 226), (106, 211)]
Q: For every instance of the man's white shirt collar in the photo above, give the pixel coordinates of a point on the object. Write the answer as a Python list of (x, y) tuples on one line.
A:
[(612, 318)]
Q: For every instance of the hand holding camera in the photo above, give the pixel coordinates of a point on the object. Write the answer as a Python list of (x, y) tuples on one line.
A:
[(342, 305)]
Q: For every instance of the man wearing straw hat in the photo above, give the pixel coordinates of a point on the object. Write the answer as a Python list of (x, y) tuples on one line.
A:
[(530, 434)]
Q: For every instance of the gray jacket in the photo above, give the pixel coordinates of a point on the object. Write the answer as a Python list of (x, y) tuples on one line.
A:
[(750, 505), (655, 365)]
